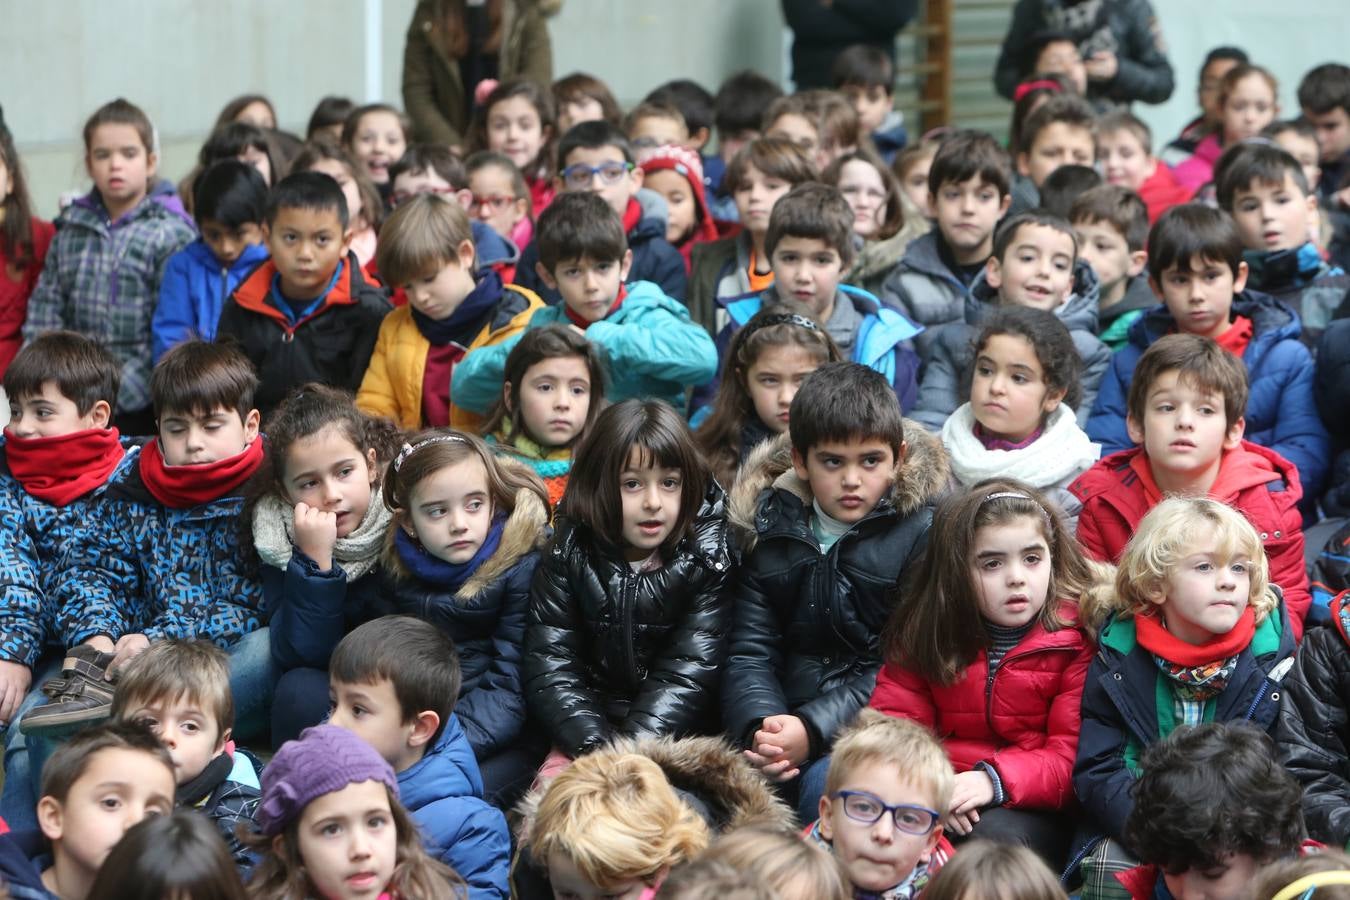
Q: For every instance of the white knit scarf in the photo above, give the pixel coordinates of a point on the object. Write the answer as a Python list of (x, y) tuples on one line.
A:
[(1059, 455), (357, 553)]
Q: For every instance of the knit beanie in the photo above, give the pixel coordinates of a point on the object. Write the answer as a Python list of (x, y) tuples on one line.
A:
[(325, 759), (687, 163)]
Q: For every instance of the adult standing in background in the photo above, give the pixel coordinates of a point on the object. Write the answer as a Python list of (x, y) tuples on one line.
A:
[(821, 29), (1120, 42), (453, 45)]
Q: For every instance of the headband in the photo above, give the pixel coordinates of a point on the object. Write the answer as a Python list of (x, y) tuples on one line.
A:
[(1305, 886), (777, 319), (1017, 495), (1040, 84), (409, 449)]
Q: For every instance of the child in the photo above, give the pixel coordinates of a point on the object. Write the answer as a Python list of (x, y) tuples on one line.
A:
[(822, 123), (823, 542), (1326, 870), (1062, 186), (879, 815), (1125, 149), (984, 870), (1197, 634), (120, 226), (333, 827), (650, 125), (737, 110), (911, 168), (695, 106), (1056, 53), (255, 109), (881, 217), (1031, 94), (1195, 265), (376, 136), (629, 609), (1034, 264), (765, 365), (306, 314), (242, 141), (676, 173), (365, 208), (229, 201), (394, 683), (999, 556), (517, 121), (1186, 406), (1019, 421), (793, 869), (1265, 191), (1324, 98), (738, 266), (651, 347), (1248, 102), (810, 244), (580, 97), (705, 879), (1062, 131), (454, 308), (865, 74), (1111, 225), (180, 690), (24, 239), (553, 387), (326, 121), (595, 157), (177, 855), (968, 191), (499, 198), (94, 788), (1298, 138), (1218, 62)]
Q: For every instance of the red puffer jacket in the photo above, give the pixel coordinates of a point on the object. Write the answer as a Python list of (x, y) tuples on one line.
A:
[(1024, 725)]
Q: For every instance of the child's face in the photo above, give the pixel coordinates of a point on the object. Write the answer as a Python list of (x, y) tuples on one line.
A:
[(755, 197), (588, 286), (797, 129), (1058, 144), (348, 842), (1124, 160), (580, 108), (1063, 58), (681, 207), (1185, 430), (1249, 107), (966, 214), (441, 292), (1036, 269), (774, 379), (494, 200), (257, 113), (1333, 132), (1211, 82), (808, 271), (1010, 566), (351, 191), (428, 181), (372, 713), (650, 495), (654, 131), (1200, 297), (378, 143), (862, 187), (1008, 393), (616, 192), (568, 883), (848, 478), (228, 244), (555, 398), (1273, 216), (728, 145), (118, 789), (1230, 881), (306, 247), (120, 165), (1205, 593), (451, 511), (326, 471), (1303, 149), (1106, 250), (192, 735), (871, 103), (915, 184), (514, 128), (51, 413), (878, 856), (258, 160), (195, 438)]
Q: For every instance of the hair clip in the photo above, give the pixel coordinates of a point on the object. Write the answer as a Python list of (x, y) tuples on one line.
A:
[(409, 449), (772, 319)]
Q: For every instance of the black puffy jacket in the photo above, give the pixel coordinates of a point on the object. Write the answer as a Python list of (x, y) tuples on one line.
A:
[(1331, 387), (611, 652), (807, 634)]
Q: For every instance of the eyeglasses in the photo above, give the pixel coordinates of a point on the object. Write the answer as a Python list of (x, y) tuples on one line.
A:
[(580, 176), (496, 202), (398, 198), (861, 806)]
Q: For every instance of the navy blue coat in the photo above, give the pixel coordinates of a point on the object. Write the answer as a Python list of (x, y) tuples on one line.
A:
[(311, 610), (23, 856)]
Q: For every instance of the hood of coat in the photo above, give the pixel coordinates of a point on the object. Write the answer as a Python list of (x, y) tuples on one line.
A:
[(877, 258), (922, 478)]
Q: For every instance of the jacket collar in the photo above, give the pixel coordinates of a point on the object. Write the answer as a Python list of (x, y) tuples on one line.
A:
[(447, 770), (253, 293)]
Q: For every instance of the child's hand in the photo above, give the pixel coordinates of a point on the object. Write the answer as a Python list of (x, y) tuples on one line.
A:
[(315, 534), (780, 747), (1102, 65), (961, 823), (15, 679), (973, 791), (128, 646)]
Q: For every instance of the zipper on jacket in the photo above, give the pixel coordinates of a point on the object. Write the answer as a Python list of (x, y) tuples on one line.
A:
[(627, 597), (989, 681), (224, 285)]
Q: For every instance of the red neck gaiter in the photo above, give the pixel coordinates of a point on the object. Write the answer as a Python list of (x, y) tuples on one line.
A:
[(181, 487), (1157, 640), (58, 470), (632, 214), (1237, 337), (583, 324)]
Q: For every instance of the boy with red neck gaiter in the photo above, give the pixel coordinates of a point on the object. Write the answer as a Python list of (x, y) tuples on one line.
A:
[(1196, 633)]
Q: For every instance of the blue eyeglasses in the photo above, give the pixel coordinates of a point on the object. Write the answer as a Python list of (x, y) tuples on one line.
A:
[(579, 176), (861, 806)]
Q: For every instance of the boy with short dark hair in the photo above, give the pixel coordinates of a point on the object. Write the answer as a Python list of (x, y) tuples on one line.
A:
[(865, 74), (830, 514), (737, 110), (1111, 223), (180, 690), (695, 105), (1195, 265), (968, 190), (1125, 151), (650, 125), (1062, 186), (394, 681), (1324, 96), (595, 157), (1061, 132), (94, 788), (307, 314)]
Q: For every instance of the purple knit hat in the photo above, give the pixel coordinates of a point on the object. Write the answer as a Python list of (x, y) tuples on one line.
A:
[(325, 759)]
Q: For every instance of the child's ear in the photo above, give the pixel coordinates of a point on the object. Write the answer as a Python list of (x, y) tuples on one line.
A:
[(101, 414), (423, 727), (266, 229), (901, 456), (799, 465), (636, 177), (1023, 167), (151, 164), (545, 276), (466, 253), (51, 818), (698, 139), (346, 242), (1233, 436), (993, 272), (1004, 205), (1240, 282), (1052, 400), (625, 265), (1138, 259), (224, 739), (464, 197), (506, 396), (373, 465), (1135, 429), (252, 422), (823, 818)]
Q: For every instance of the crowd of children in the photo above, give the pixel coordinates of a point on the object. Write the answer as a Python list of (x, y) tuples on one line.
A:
[(559, 509)]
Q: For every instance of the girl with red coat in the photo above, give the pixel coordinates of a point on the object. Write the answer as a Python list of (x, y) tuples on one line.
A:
[(986, 650), (24, 239)]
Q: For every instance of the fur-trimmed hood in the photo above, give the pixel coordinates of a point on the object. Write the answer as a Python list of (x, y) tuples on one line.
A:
[(923, 477)]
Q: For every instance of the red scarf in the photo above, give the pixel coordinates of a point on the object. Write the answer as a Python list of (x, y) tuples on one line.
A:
[(57, 470), (632, 214), (583, 324), (1237, 337), (182, 487), (1156, 639)]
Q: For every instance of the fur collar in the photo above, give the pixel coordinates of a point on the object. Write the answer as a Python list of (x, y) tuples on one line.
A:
[(923, 477)]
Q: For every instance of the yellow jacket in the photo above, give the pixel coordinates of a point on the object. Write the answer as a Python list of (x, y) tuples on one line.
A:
[(393, 382)]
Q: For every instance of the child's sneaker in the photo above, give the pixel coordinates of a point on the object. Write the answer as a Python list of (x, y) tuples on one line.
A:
[(79, 697)]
